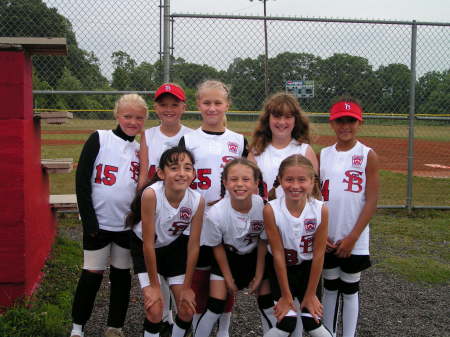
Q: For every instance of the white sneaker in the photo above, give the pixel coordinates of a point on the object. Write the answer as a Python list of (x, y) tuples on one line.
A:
[(114, 332)]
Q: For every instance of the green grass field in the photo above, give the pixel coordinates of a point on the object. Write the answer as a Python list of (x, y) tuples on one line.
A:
[(427, 191)]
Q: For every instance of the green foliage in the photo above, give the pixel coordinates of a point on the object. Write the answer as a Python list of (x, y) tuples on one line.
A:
[(415, 247), (48, 312)]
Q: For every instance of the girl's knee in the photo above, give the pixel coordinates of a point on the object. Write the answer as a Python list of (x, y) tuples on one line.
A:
[(155, 313)]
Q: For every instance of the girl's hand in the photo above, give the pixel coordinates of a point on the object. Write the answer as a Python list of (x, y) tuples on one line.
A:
[(152, 296), (283, 306), (186, 300), (345, 246), (331, 246), (231, 286), (314, 307), (254, 284)]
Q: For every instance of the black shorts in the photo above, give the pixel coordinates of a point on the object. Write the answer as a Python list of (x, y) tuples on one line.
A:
[(298, 278), (170, 259), (205, 257), (351, 265), (104, 238), (243, 267)]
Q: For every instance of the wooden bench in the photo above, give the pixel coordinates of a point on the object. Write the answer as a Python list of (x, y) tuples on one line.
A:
[(62, 165), (55, 117), (64, 202)]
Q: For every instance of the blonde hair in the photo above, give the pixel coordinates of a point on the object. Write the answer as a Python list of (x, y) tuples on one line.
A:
[(134, 99), (213, 84), (297, 160), (275, 105)]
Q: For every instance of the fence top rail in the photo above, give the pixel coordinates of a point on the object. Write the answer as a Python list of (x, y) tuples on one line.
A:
[(288, 18)]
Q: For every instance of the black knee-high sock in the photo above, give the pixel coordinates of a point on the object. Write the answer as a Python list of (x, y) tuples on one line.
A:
[(83, 301), (119, 296)]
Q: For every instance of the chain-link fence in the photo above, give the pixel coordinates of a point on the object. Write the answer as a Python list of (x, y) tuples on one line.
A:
[(320, 60), (115, 46)]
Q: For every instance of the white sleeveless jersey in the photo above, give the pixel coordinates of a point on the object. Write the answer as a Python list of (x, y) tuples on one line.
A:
[(343, 181), (211, 153), (114, 180), (297, 233), (239, 231), (170, 222), (269, 162), (158, 142)]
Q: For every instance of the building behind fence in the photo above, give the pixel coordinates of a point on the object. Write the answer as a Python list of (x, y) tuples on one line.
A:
[(399, 70)]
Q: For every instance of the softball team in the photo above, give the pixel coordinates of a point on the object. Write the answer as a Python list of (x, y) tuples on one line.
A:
[(200, 226), (349, 180)]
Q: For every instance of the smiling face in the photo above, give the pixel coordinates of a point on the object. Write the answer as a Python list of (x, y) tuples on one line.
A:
[(297, 182), (240, 182), (213, 103), (131, 118), (178, 174), (346, 129), (169, 109), (281, 125)]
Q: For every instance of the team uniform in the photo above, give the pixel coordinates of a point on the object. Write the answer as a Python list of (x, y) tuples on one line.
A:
[(270, 159), (239, 233), (212, 150), (158, 142), (106, 182), (170, 243), (297, 235), (343, 181)]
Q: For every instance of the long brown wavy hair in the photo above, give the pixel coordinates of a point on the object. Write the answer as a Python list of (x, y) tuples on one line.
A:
[(276, 105)]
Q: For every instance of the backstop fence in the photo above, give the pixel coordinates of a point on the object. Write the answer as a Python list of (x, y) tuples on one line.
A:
[(400, 71)]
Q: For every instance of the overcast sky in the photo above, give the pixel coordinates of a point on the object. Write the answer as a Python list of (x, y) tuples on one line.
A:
[(420, 10)]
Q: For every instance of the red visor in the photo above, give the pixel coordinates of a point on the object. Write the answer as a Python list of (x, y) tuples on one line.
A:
[(169, 88), (342, 109)]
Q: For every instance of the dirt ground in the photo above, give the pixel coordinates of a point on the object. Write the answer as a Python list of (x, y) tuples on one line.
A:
[(431, 158)]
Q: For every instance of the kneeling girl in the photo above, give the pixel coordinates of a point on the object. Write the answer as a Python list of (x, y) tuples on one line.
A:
[(169, 210), (296, 226)]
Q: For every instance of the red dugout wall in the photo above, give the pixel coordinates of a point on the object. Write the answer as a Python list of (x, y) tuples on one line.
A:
[(27, 225)]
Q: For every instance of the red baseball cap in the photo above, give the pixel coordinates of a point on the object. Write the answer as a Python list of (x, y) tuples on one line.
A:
[(343, 108), (170, 88)]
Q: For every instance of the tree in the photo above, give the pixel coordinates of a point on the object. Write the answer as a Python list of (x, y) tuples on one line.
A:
[(394, 80), (124, 66), (433, 92)]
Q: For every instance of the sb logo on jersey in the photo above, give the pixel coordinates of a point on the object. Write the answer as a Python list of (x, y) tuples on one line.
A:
[(353, 180), (256, 226), (134, 169)]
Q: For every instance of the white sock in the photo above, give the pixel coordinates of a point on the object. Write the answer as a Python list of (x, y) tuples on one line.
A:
[(178, 331), (148, 334), (77, 329), (267, 317), (224, 325), (205, 324), (167, 312), (298, 332), (350, 308), (275, 332), (321, 331), (329, 306)]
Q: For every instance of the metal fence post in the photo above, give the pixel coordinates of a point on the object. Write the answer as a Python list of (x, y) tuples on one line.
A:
[(412, 106), (166, 41)]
